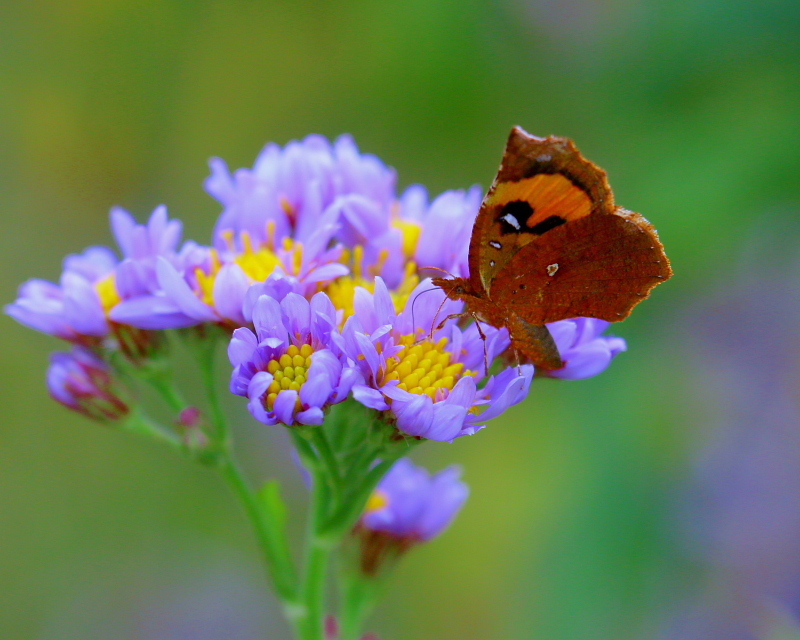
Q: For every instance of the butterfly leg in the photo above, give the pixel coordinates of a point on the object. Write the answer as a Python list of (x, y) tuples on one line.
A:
[(485, 348), (452, 316)]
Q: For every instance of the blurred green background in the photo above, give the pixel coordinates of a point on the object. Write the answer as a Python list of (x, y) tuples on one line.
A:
[(655, 501)]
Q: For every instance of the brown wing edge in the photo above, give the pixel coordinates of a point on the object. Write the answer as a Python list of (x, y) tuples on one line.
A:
[(544, 300), (525, 156), (534, 342), (665, 266), (528, 155)]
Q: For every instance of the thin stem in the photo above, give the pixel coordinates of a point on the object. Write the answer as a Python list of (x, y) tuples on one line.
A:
[(315, 579), (348, 513), (139, 423), (273, 547), (268, 531), (323, 445), (359, 594), (218, 419), (168, 391)]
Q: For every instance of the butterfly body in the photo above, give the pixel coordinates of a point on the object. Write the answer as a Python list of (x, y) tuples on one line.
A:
[(549, 244)]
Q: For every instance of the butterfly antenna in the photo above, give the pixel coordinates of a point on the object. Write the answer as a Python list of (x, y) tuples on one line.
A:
[(436, 317), (445, 271), (414, 301)]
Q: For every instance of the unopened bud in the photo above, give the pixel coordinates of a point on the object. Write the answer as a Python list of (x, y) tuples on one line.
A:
[(84, 383)]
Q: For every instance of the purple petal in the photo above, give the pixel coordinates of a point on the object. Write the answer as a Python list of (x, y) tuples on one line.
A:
[(123, 226), (179, 292), (450, 496), (369, 397), (285, 406), (230, 287), (242, 345), (267, 319), (312, 416), (326, 272), (151, 312), (384, 305), (297, 314), (447, 422)]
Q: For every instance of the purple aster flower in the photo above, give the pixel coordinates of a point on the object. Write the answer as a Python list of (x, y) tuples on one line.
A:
[(94, 283), (73, 309), (211, 285), (291, 188), (84, 383), (426, 384), (308, 197), (584, 351), (409, 506), (293, 366), (446, 227)]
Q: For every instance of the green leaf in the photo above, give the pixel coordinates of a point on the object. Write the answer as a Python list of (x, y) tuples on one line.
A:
[(273, 503)]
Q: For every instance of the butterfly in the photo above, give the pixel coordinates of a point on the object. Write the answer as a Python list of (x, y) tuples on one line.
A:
[(549, 244)]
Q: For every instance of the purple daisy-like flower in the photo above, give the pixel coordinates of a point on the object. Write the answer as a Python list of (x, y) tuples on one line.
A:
[(293, 366), (584, 351), (409, 506), (411, 503), (428, 387), (291, 188), (84, 383), (74, 308), (211, 285), (94, 283), (446, 227), (306, 189)]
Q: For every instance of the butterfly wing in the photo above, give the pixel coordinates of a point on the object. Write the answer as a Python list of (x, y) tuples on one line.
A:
[(542, 183), (534, 342), (598, 266)]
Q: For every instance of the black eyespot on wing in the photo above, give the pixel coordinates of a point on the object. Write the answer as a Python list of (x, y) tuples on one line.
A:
[(545, 225), (514, 216)]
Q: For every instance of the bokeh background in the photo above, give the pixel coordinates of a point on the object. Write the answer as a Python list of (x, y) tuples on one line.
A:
[(660, 500)]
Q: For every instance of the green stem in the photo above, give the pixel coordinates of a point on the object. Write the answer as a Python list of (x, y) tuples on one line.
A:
[(269, 531), (321, 442), (315, 579), (206, 355), (359, 594), (162, 382), (272, 544), (139, 423)]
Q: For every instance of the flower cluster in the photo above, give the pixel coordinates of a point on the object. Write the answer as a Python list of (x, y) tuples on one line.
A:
[(314, 272), (315, 278)]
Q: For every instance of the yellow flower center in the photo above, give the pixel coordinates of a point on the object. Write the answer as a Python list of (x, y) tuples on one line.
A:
[(377, 501), (290, 371), (342, 291), (106, 289), (412, 231), (205, 281), (258, 262), (425, 368)]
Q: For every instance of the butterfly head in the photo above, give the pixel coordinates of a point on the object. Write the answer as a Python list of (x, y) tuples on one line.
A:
[(454, 288)]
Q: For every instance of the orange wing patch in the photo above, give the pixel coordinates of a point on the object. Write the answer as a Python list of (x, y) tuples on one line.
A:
[(547, 194)]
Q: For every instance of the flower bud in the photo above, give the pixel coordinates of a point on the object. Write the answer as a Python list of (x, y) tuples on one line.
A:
[(84, 383)]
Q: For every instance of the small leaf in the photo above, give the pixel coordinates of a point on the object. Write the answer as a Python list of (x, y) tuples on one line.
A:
[(270, 497)]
